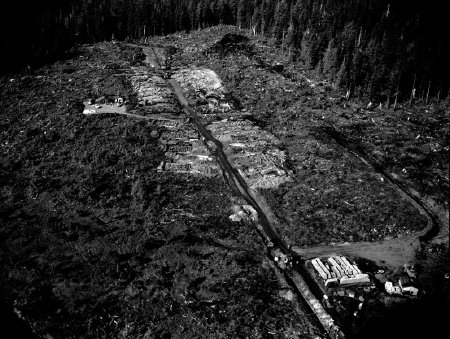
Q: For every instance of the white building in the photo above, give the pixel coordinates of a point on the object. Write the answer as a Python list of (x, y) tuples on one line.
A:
[(338, 271)]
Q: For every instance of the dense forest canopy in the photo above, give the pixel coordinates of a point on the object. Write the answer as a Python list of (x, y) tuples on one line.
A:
[(373, 48)]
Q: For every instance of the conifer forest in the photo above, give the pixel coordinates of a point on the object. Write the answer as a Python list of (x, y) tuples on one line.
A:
[(380, 49)]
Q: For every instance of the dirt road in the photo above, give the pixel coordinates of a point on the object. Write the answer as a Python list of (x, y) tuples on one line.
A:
[(392, 253), (269, 233), (234, 175), (437, 224)]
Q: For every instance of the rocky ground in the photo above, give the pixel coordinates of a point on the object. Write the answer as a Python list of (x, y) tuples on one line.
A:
[(106, 232)]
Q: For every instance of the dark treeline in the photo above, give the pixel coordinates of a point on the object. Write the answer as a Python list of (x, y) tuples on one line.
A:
[(380, 49)]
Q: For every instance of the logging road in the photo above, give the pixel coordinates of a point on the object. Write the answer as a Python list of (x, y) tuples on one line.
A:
[(297, 275)]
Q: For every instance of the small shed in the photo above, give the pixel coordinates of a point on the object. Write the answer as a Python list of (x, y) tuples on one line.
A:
[(406, 285), (404, 281)]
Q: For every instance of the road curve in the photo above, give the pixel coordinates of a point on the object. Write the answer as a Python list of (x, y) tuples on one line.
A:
[(435, 224)]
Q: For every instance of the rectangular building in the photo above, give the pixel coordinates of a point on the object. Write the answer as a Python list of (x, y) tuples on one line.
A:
[(337, 271)]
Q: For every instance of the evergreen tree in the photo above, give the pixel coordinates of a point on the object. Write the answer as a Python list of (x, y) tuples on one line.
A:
[(225, 13), (267, 16), (290, 41), (198, 18), (330, 60), (281, 18), (256, 18), (388, 46), (241, 15), (305, 49), (341, 76), (310, 49)]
